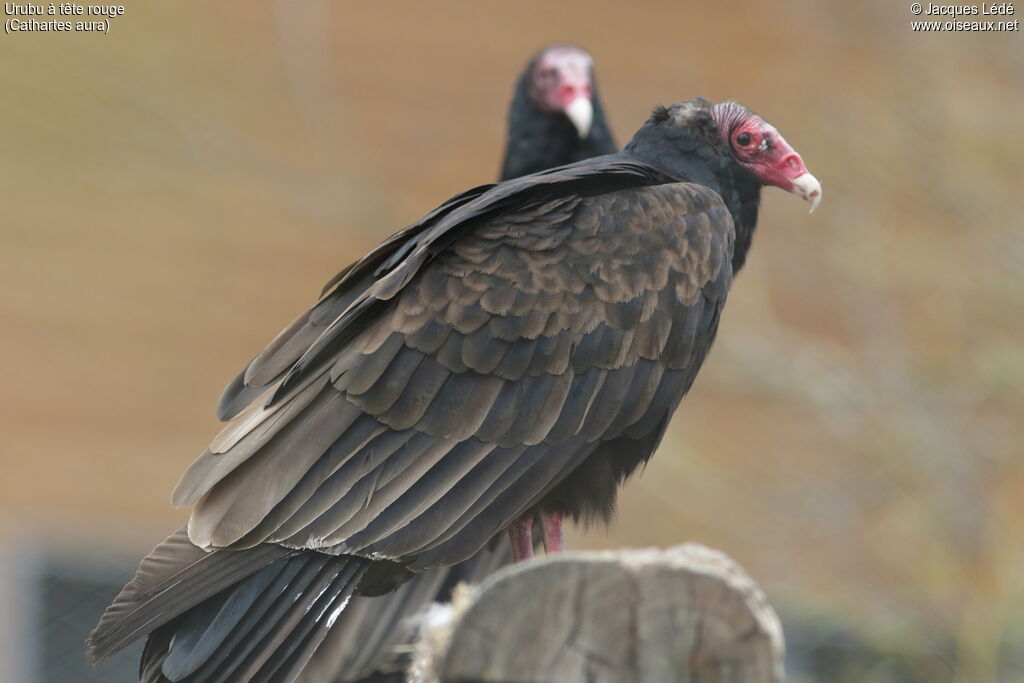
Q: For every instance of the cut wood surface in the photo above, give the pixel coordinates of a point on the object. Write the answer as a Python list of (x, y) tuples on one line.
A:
[(684, 614)]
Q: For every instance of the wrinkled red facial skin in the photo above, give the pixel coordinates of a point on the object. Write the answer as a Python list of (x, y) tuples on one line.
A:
[(766, 154), (560, 76)]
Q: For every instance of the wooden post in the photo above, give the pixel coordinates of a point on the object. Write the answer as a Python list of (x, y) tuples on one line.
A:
[(688, 614)]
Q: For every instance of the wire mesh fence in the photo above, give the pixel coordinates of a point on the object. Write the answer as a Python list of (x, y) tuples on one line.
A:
[(53, 589), (70, 602)]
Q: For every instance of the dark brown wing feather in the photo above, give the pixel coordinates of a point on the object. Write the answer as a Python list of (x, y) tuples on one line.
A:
[(397, 257), (459, 390)]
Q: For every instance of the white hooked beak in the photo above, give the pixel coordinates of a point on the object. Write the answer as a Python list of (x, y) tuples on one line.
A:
[(808, 187), (581, 112)]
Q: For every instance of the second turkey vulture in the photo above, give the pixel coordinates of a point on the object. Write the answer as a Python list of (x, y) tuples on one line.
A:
[(513, 355), (556, 115)]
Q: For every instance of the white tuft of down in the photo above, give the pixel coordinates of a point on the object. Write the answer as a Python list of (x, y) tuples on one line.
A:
[(581, 112), (808, 187), (437, 625)]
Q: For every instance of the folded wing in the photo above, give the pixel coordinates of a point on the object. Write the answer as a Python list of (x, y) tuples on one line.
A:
[(489, 358)]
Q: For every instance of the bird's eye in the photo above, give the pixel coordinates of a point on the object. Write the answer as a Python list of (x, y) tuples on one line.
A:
[(743, 139)]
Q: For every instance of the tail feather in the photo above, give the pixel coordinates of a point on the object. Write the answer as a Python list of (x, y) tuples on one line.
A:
[(263, 612), (289, 659), (149, 665), (172, 579), (373, 636), (302, 626), (270, 614), (202, 632), (263, 629)]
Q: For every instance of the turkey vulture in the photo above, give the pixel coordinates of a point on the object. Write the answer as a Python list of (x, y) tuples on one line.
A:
[(556, 115), (514, 354)]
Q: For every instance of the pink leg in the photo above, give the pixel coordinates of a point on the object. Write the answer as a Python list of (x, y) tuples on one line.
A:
[(520, 532), (551, 525)]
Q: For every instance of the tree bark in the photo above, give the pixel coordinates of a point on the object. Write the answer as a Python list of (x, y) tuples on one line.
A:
[(686, 614)]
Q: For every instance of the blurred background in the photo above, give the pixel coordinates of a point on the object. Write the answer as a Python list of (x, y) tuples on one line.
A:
[(176, 191)]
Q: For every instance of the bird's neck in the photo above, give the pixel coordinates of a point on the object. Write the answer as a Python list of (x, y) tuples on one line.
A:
[(743, 206), (741, 192)]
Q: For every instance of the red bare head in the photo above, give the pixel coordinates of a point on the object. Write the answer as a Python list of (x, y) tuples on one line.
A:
[(560, 81), (760, 148)]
